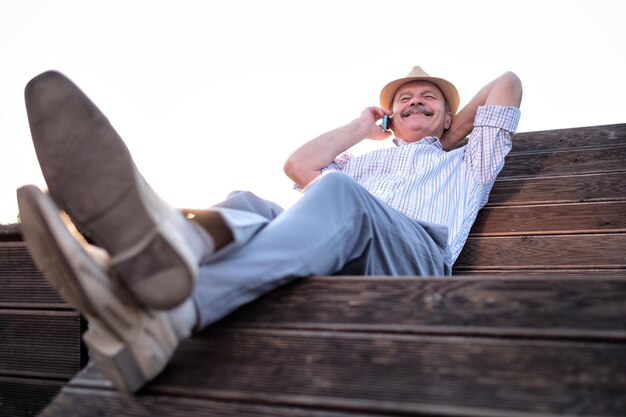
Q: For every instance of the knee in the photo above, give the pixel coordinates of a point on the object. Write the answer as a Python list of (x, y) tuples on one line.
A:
[(245, 195), (248, 201), (335, 185)]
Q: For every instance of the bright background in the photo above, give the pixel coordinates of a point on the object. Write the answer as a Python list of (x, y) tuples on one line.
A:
[(213, 96)]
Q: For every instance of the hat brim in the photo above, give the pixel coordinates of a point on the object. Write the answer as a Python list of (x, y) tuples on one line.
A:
[(446, 87)]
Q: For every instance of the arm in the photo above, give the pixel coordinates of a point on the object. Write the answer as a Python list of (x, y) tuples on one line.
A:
[(506, 90), (306, 163)]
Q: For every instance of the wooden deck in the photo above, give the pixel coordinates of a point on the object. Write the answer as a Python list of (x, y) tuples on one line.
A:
[(532, 324), (40, 348)]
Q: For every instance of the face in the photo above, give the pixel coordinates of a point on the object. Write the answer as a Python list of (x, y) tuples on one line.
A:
[(419, 110)]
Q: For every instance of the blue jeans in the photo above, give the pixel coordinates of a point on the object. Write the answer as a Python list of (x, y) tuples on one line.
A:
[(336, 228)]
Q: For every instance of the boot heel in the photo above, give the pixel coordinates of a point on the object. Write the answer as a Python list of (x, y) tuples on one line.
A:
[(115, 360)]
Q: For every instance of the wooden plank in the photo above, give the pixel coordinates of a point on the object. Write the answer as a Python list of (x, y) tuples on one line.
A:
[(10, 233), (22, 284), (551, 219), (565, 162), (495, 273), (74, 402), (544, 252), (40, 343), (559, 189), (392, 374), (521, 306), (21, 397), (571, 138)]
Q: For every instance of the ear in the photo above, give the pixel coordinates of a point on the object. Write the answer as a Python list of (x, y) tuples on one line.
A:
[(448, 121)]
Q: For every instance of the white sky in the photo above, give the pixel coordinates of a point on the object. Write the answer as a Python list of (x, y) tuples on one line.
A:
[(212, 96)]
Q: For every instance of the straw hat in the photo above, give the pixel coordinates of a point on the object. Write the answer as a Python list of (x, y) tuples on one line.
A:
[(416, 74)]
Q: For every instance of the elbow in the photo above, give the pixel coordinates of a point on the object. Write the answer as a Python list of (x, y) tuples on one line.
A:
[(513, 80), (295, 171), (514, 86), (506, 91), (290, 168)]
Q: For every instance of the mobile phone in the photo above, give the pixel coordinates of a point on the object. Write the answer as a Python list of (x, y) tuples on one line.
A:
[(386, 122)]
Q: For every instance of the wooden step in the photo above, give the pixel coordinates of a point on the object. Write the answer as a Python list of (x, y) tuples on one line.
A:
[(43, 344), (22, 283), (40, 346), (565, 162), (546, 306), (380, 346), (544, 219), (604, 136), (559, 189), (606, 251)]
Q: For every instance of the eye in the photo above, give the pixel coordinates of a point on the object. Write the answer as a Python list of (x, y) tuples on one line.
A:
[(403, 99)]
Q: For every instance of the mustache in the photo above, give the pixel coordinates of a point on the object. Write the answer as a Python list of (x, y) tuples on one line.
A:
[(417, 109)]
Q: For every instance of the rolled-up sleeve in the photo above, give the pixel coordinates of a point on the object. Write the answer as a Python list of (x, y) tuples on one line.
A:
[(490, 141), (337, 165)]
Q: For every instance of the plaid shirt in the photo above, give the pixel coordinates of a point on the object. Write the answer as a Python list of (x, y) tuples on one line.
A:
[(426, 183)]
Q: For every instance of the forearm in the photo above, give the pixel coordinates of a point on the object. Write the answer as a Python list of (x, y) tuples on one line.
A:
[(505, 90), (306, 163)]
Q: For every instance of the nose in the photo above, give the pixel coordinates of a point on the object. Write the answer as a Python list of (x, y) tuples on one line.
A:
[(416, 100)]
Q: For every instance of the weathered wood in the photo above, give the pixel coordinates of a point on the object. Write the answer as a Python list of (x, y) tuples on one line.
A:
[(520, 306), (551, 219), (565, 162), (571, 138), (392, 374), (559, 189), (395, 346), (40, 344), (20, 397), (40, 347), (544, 252), (495, 273), (22, 284), (74, 402), (10, 232)]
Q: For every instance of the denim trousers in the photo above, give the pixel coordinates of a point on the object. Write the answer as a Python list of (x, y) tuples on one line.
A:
[(336, 228)]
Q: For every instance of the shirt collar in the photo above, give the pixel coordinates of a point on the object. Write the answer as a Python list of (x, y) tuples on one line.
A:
[(428, 140)]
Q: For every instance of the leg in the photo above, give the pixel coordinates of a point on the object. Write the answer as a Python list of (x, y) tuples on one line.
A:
[(247, 201), (336, 223), (155, 250), (231, 223), (91, 175)]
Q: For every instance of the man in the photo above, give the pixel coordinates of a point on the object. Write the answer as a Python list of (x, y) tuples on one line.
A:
[(157, 277)]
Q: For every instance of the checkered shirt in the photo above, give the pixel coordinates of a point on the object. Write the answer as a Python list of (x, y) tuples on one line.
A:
[(426, 183)]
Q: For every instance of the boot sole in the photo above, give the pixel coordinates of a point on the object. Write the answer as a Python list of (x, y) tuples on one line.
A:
[(109, 201), (50, 249)]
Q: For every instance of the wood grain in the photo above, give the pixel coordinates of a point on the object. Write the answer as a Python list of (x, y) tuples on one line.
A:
[(393, 374), (565, 162), (571, 138), (520, 306), (39, 344), (22, 284), (20, 397), (545, 252), (559, 189), (571, 219)]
